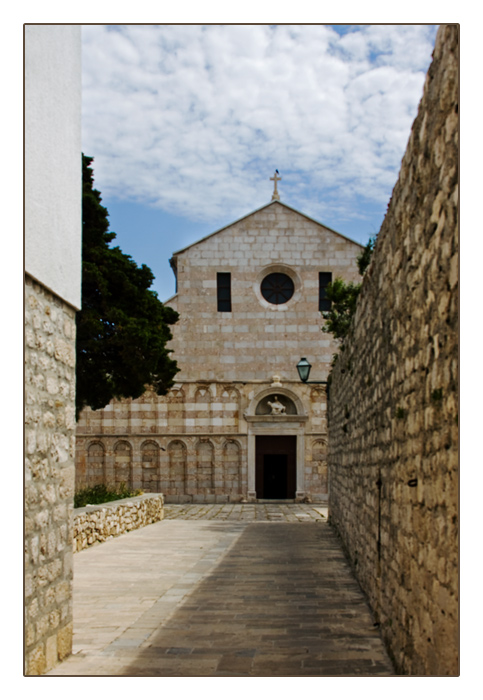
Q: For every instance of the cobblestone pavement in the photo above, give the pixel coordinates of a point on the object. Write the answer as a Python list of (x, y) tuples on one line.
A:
[(240, 591)]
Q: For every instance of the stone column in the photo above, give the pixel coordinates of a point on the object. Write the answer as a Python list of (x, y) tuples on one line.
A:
[(137, 467), (300, 487), (109, 457), (251, 459)]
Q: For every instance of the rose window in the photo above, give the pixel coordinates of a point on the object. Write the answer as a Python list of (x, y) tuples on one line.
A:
[(277, 288)]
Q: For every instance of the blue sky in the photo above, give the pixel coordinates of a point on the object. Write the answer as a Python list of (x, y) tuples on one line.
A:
[(187, 123)]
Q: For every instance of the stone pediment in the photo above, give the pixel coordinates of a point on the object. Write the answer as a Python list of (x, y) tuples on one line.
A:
[(273, 203)]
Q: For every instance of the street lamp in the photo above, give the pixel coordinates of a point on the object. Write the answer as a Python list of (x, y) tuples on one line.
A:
[(303, 368)]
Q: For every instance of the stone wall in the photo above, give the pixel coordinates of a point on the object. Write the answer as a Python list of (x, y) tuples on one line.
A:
[(202, 442), (53, 230), (257, 339), (193, 445), (49, 476), (393, 413), (99, 523)]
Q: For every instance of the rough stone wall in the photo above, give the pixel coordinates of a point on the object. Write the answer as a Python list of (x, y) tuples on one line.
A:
[(49, 476), (99, 523), (393, 413)]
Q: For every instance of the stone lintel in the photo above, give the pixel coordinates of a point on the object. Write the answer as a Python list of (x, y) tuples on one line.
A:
[(267, 418)]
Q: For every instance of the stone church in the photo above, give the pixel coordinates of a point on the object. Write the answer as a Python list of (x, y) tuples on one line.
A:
[(239, 424)]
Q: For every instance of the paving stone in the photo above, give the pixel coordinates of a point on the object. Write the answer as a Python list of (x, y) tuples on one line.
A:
[(207, 597)]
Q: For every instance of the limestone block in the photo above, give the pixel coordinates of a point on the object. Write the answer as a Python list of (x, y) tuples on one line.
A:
[(35, 661), (64, 641)]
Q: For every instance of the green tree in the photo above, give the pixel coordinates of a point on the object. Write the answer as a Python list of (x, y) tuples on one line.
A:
[(343, 297), (122, 328), (364, 258)]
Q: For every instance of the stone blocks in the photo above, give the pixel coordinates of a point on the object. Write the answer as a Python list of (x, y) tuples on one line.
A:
[(94, 524), (49, 476), (198, 436), (393, 421), (256, 339), (194, 449)]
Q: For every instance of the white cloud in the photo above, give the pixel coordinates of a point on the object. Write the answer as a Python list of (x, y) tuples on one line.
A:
[(195, 118)]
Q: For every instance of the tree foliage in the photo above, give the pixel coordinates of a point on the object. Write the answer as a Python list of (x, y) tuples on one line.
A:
[(122, 328), (364, 258), (343, 298)]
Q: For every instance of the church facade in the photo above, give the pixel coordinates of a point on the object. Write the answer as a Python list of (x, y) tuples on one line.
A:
[(238, 425)]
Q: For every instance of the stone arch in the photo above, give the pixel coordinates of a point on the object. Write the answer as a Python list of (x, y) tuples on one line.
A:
[(144, 412), (177, 453), (281, 392), (123, 464), (150, 466), (121, 412), (230, 398), (96, 464), (203, 408), (176, 409), (205, 466), (319, 463), (264, 407), (232, 463)]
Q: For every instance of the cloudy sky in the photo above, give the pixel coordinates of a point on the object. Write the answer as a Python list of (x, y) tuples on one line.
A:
[(187, 123)]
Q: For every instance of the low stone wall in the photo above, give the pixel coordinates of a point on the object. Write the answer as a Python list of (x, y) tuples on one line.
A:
[(99, 523), (393, 413)]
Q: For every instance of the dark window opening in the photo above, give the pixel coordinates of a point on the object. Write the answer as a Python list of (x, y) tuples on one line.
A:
[(223, 283), (325, 278)]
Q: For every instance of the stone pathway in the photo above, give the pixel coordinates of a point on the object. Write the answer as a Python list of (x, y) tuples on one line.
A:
[(223, 595), (248, 512)]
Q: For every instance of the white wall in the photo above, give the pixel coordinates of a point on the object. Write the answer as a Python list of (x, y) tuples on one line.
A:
[(53, 171)]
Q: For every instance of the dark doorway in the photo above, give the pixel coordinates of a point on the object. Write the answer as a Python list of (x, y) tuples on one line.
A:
[(275, 476)]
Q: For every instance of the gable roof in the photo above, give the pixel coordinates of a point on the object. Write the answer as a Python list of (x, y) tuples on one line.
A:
[(265, 206)]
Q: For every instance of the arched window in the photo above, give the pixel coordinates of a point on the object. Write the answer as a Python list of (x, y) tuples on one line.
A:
[(95, 466)]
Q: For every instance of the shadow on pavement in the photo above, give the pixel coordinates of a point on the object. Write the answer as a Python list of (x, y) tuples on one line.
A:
[(281, 602)]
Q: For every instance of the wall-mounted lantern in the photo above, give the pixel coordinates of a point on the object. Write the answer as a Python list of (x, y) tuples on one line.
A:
[(303, 368)]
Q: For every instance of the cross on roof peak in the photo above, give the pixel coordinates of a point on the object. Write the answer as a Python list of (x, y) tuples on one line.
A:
[(276, 178)]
